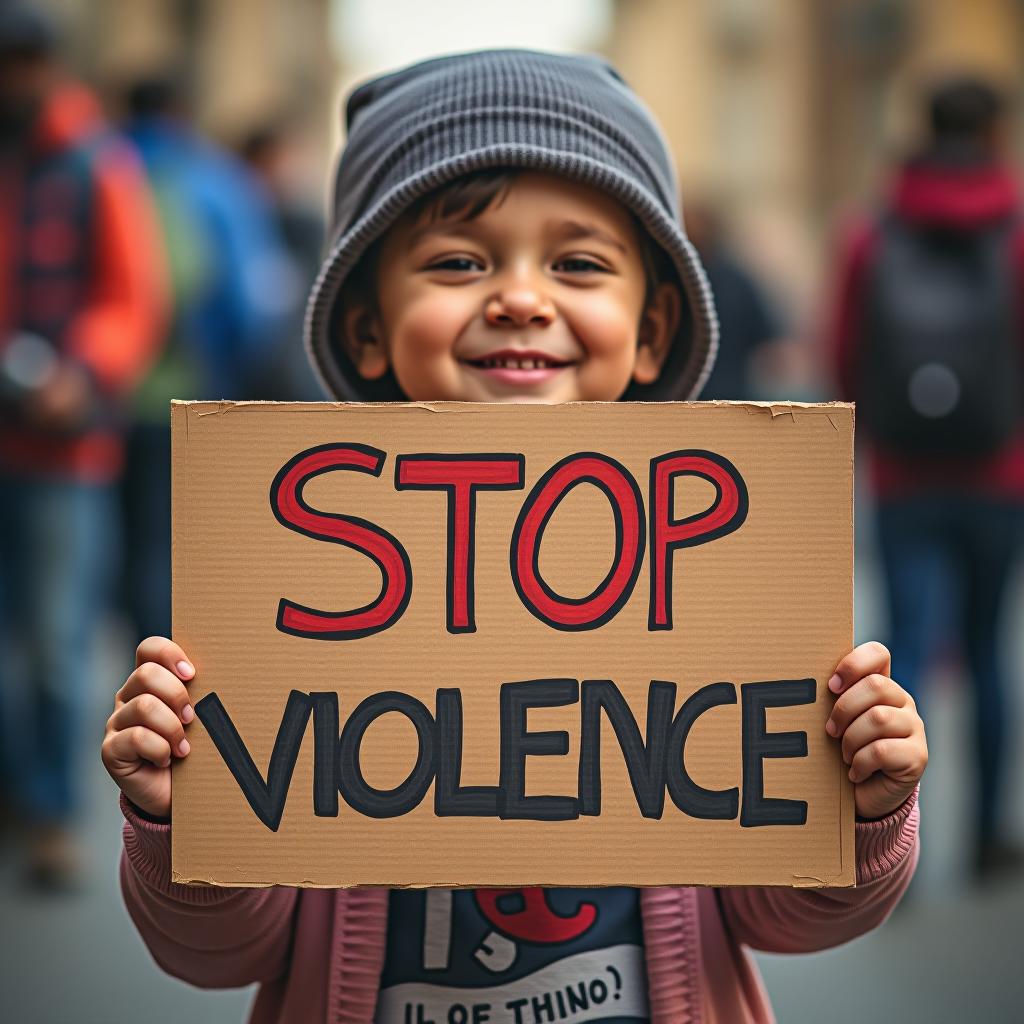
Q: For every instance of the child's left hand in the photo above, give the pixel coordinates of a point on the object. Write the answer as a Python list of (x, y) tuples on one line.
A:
[(882, 733)]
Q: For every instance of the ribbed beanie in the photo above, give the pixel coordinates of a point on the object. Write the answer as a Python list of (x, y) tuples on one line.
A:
[(413, 130)]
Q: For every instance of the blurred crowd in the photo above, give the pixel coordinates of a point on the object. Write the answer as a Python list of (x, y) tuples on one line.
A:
[(141, 261)]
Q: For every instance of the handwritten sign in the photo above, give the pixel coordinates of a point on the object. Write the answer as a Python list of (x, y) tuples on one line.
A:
[(481, 645)]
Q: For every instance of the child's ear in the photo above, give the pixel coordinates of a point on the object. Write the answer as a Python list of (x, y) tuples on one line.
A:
[(658, 326), (364, 341)]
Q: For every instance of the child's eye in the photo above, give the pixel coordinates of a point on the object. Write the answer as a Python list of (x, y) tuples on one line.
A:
[(458, 263), (580, 263)]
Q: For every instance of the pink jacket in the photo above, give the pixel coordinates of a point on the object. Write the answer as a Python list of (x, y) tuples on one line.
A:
[(318, 953)]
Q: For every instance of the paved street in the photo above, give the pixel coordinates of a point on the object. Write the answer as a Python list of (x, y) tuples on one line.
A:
[(952, 954)]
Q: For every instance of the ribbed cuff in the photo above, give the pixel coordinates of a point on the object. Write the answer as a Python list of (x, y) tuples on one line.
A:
[(147, 846), (140, 813), (883, 845)]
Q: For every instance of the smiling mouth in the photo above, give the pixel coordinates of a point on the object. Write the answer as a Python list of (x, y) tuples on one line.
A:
[(518, 361)]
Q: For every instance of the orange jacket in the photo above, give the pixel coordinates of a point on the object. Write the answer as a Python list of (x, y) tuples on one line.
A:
[(81, 263)]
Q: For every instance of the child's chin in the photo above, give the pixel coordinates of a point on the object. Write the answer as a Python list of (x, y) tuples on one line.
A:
[(530, 400)]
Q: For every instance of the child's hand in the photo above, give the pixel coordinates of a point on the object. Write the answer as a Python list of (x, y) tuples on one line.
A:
[(146, 728), (882, 733)]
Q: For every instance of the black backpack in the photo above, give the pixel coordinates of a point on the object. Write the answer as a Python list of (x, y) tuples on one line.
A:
[(940, 367)]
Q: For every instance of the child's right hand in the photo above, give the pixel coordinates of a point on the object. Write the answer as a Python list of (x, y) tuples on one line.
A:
[(147, 727)]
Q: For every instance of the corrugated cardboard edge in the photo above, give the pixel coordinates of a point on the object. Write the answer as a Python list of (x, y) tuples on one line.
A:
[(207, 407), (179, 446), (847, 876), (799, 882), (847, 817)]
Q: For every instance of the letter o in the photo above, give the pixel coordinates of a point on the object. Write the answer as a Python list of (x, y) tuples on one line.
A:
[(600, 606), (356, 791)]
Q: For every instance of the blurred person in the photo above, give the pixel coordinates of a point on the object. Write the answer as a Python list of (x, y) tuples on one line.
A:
[(272, 151), (748, 322), (231, 283), (81, 292), (928, 338)]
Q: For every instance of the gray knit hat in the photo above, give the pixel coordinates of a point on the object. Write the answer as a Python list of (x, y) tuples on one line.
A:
[(416, 129)]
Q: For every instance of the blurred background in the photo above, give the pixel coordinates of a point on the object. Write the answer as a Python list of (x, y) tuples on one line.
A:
[(834, 156)]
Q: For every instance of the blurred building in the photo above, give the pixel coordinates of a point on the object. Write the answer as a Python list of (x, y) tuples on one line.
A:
[(246, 59), (784, 111)]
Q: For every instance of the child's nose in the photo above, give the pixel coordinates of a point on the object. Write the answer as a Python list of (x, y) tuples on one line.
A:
[(520, 304)]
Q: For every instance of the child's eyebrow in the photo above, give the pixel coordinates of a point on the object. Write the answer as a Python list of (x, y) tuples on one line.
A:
[(570, 230), (573, 229)]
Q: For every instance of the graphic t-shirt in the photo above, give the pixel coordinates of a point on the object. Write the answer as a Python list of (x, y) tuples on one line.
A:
[(513, 956)]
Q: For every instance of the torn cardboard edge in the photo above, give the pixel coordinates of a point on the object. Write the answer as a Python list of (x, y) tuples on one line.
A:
[(207, 407)]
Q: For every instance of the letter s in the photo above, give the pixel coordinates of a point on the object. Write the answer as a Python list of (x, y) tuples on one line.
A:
[(291, 511)]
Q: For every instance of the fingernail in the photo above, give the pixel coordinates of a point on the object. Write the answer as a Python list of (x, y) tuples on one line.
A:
[(853, 776), (183, 748), (830, 727), (835, 684), (165, 763), (187, 714), (185, 669)]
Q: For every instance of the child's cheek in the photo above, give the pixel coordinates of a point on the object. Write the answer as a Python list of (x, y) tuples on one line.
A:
[(429, 327), (422, 343), (607, 331)]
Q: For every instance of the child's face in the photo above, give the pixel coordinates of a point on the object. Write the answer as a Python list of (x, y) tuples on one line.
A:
[(540, 298)]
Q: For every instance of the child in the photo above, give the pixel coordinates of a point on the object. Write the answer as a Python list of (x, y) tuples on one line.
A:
[(506, 230)]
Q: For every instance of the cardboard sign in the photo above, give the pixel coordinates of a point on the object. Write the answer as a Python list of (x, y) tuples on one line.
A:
[(497, 645)]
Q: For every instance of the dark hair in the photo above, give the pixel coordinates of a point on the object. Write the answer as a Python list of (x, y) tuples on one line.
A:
[(964, 108), (470, 196), (261, 140), (26, 33), (158, 95)]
